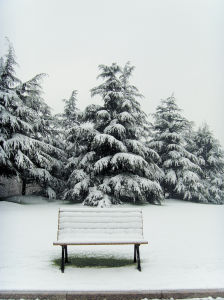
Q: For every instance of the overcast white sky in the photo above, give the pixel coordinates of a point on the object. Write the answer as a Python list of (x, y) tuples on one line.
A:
[(176, 46)]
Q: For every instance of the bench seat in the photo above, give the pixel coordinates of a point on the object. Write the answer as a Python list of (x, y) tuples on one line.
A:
[(100, 242)]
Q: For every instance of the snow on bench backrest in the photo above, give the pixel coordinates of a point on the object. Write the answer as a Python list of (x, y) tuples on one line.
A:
[(97, 224)]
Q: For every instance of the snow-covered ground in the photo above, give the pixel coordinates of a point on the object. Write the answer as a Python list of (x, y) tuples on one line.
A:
[(186, 250)]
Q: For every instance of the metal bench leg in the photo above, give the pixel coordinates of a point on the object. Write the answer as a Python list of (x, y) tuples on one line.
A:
[(138, 258), (62, 258), (66, 255), (134, 253)]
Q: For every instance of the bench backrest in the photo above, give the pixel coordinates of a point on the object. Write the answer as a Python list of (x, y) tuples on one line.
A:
[(108, 223)]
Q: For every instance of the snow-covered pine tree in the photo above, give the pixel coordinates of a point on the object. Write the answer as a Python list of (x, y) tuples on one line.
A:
[(71, 113), (7, 120), (44, 131), (8, 78), (113, 164), (23, 149), (180, 166), (211, 158), (66, 121), (130, 96), (80, 166)]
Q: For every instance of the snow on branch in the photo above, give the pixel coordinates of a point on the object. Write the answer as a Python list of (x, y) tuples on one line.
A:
[(125, 117), (3, 156), (22, 142), (153, 155), (81, 186), (136, 147), (82, 131), (174, 154), (190, 177), (134, 186), (87, 158), (171, 163), (77, 175), (103, 114), (117, 130), (42, 175), (94, 197), (129, 161), (22, 161), (102, 164), (8, 120), (171, 177), (186, 163), (156, 144), (108, 140), (173, 136)]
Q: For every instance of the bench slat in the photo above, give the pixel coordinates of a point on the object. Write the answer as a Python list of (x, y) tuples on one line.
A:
[(102, 231), (96, 214), (94, 225), (106, 234), (99, 210), (99, 219)]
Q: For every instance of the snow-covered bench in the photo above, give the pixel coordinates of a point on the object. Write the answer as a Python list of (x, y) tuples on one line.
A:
[(99, 226)]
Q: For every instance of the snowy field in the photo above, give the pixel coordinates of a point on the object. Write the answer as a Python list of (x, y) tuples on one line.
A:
[(185, 251)]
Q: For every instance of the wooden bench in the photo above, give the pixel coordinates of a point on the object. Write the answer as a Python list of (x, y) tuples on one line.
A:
[(99, 226)]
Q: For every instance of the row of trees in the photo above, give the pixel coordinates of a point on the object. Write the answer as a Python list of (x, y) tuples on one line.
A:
[(107, 153)]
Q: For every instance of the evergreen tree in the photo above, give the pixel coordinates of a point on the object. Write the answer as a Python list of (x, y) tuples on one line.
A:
[(7, 120), (44, 130), (113, 164), (211, 157), (180, 166), (8, 80), (67, 120), (71, 112), (23, 149)]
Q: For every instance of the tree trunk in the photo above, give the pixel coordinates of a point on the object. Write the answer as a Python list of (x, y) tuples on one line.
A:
[(24, 186)]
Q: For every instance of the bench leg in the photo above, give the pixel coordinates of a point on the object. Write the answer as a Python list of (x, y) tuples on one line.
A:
[(66, 255), (62, 259), (138, 257), (134, 253)]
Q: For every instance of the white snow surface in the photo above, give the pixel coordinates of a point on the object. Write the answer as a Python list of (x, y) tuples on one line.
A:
[(186, 250)]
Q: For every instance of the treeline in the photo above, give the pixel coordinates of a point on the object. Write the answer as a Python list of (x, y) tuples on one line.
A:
[(108, 153)]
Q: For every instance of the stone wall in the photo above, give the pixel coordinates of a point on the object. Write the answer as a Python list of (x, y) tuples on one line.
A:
[(13, 186)]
